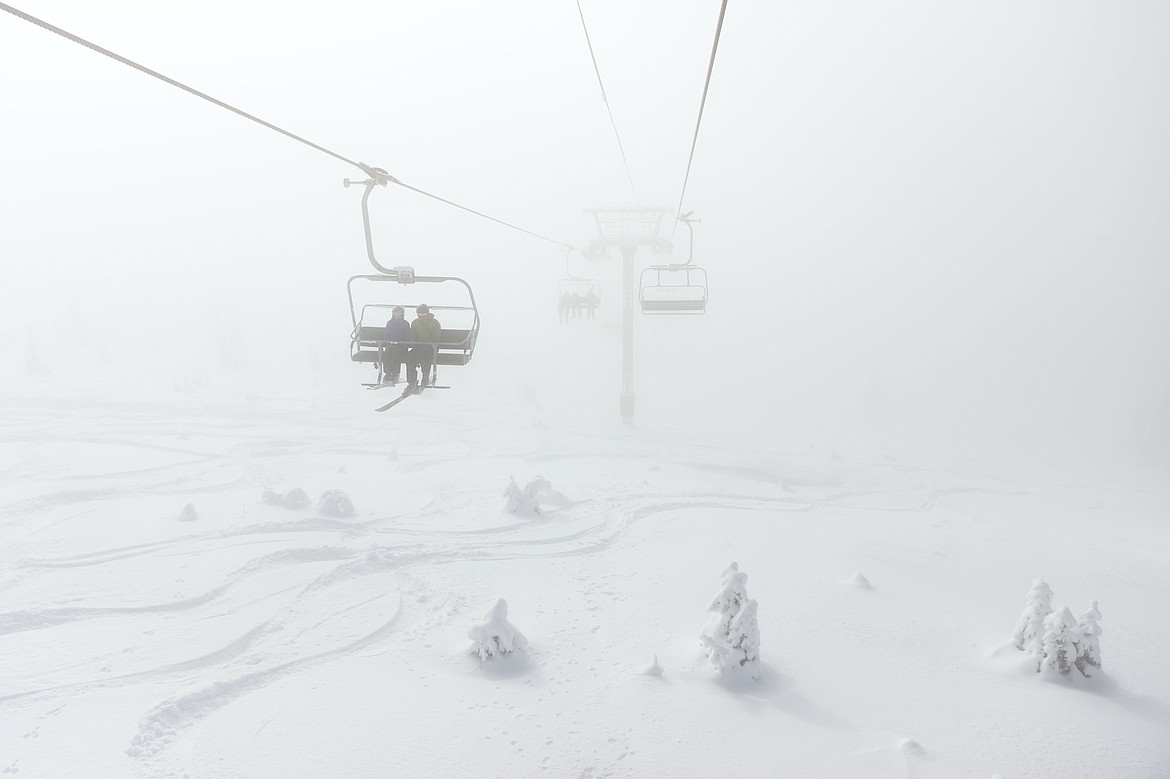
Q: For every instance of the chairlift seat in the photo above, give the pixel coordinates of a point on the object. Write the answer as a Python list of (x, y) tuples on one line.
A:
[(673, 289), (454, 347), (696, 306)]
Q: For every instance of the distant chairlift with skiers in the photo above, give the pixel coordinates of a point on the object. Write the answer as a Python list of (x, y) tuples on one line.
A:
[(578, 299)]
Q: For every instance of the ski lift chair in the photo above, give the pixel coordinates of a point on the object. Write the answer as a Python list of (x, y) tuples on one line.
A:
[(456, 344), (367, 339), (576, 295), (673, 289)]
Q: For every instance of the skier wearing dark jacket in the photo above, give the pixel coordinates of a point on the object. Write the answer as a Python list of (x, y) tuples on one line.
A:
[(425, 329), (393, 355)]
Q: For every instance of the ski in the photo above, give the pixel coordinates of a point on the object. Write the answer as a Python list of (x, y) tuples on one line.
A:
[(406, 393)]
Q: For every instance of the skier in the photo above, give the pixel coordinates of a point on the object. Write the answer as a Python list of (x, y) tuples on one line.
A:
[(394, 354), (424, 330), (563, 307), (591, 301)]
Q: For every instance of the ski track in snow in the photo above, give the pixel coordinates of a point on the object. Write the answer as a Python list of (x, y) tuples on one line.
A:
[(33, 619), (162, 724), (343, 568)]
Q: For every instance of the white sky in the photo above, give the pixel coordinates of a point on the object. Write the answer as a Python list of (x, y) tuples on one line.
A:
[(940, 223)]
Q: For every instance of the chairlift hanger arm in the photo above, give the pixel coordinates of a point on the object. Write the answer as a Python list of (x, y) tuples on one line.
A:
[(378, 177), (687, 219)]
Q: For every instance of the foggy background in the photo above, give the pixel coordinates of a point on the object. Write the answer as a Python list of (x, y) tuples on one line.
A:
[(938, 228)]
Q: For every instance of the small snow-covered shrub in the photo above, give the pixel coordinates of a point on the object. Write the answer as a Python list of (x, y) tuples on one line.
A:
[(296, 498), (335, 503), (1030, 625), (732, 635), (1059, 643), (528, 500), (1088, 645), (496, 635)]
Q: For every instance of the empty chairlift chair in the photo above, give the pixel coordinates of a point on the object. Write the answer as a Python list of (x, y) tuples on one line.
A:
[(673, 289)]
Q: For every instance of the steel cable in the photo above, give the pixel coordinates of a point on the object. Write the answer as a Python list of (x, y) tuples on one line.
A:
[(142, 68), (605, 100), (702, 105)]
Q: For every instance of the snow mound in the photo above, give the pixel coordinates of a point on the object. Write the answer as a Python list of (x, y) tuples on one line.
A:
[(188, 514), (496, 635), (859, 582), (296, 498), (335, 503), (654, 669), (909, 746)]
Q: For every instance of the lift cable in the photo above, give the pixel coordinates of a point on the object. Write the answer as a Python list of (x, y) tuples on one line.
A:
[(605, 100), (480, 213), (360, 166), (699, 121)]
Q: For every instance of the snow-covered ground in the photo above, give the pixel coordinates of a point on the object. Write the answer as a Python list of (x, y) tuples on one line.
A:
[(158, 617)]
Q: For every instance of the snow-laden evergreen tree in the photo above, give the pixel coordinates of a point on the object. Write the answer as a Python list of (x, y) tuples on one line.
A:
[(732, 635), (1088, 643), (1059, 642), (744, 639), (496, 636), (728, 601), (1030, 625)]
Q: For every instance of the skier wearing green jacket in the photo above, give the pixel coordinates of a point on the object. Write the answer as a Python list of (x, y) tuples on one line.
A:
[(425, 329)]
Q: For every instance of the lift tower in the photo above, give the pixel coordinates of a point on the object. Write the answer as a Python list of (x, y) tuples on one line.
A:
[(628, 229)]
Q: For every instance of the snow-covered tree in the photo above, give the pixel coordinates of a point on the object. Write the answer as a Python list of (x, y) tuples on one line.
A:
[(1088, 643), (1059, 642), (335, 503), (728, 601), (744, 639), (528, 500), (496, 635), (1030, 625), (732, 635)]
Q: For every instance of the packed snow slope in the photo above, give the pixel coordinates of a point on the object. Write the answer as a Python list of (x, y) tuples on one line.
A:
[(160, 617)]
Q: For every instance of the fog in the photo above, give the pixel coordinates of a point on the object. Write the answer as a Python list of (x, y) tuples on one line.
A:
[(928, 228)]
